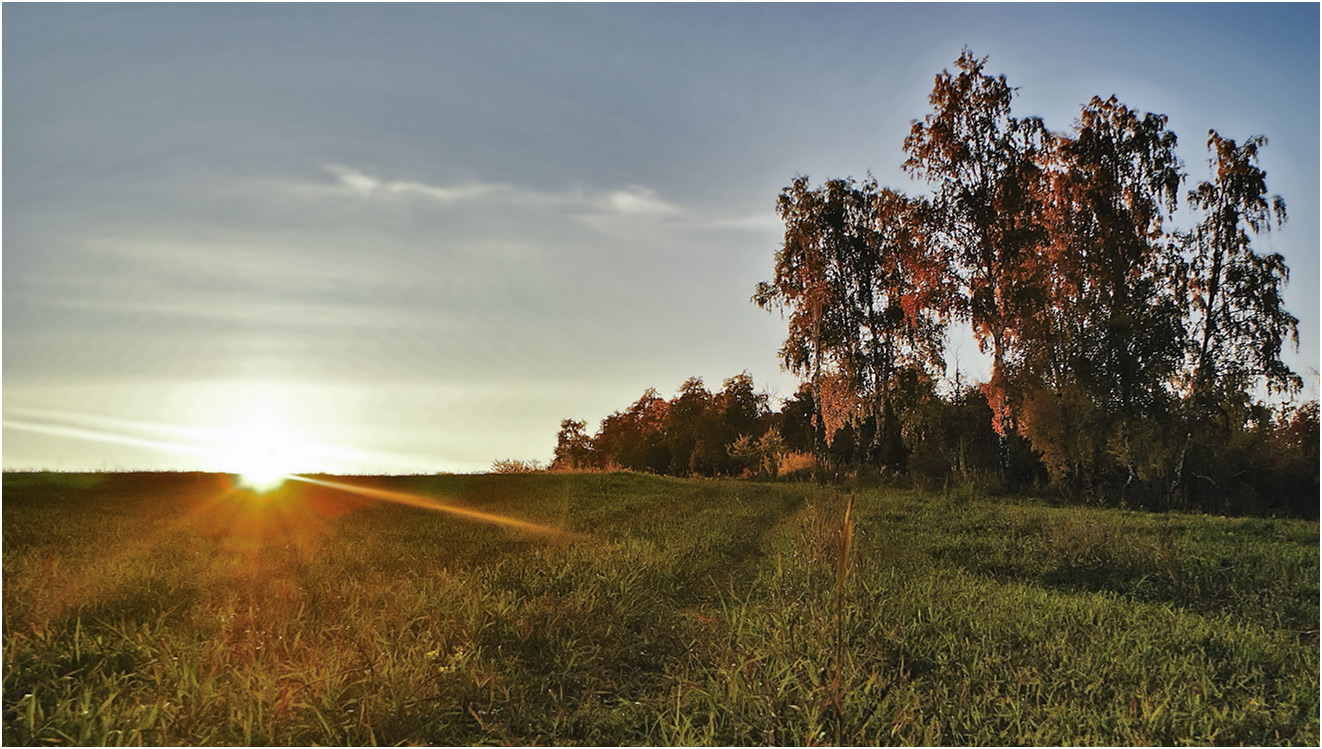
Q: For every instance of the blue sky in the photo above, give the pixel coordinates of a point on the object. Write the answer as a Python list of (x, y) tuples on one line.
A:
[(418, 236)]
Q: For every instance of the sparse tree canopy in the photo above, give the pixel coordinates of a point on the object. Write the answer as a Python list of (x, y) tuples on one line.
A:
[(984, 166), (1238, 317), (1057, 249), (1124, 355), (866, 297)]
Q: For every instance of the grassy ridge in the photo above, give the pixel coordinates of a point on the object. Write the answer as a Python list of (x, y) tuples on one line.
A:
[(167, 609)]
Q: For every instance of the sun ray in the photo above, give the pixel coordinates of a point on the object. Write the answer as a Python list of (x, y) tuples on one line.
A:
[(427, 503), (99, 435)]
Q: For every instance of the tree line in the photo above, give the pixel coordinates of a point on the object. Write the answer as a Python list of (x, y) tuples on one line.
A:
[(1126, 356), (693, 433)]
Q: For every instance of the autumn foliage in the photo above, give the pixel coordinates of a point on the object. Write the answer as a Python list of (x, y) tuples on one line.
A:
[(1129, 358)]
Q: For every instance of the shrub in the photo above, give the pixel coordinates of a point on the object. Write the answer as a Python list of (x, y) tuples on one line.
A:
[(514, 465), (796, 466)]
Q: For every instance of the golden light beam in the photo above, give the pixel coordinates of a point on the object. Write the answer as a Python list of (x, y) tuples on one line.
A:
[(413, 500), (108, 424), (96, 435)]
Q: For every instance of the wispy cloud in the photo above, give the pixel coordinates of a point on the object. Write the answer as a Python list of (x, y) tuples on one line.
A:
[(366, 186), (638, 201), (607, 210), (633, 201)]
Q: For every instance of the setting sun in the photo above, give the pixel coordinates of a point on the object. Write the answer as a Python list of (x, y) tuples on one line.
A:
[(263, 450), (262, 479)]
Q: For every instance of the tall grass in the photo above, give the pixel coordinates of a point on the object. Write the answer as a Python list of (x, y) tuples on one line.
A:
[(164, 610)]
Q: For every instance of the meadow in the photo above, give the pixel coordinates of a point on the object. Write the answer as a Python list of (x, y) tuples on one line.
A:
[(177, 609)]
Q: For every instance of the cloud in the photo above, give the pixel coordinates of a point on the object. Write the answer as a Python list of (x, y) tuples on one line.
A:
[(443, 194), (610, 211), (638, 201), (353, 179), (634, 201), (367, 186)]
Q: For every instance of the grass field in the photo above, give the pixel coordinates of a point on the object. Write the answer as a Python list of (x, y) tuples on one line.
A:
[(168, 609)]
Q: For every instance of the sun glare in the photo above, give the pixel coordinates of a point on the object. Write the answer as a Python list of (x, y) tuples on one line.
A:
[(263, 451), (261, 480)]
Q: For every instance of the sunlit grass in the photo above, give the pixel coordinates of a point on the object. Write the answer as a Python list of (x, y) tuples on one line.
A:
[(170, 610)]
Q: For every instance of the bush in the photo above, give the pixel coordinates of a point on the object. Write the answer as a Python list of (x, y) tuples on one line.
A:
[(796, 466), (514, 465)]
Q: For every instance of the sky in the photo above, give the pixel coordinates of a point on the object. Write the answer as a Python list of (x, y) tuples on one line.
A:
[(414, 238)]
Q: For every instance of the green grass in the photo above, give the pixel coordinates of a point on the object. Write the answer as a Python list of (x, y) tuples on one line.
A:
[(162, 609)]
